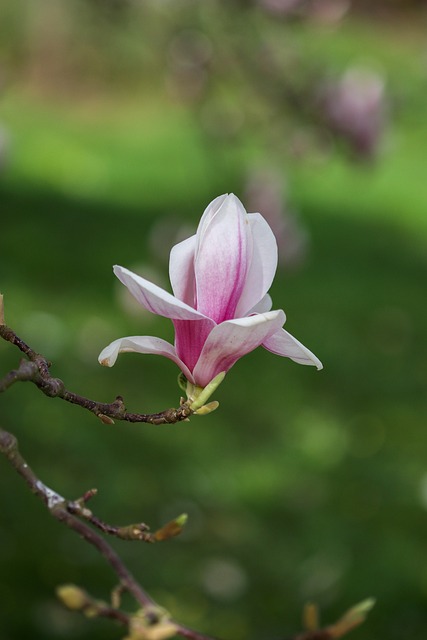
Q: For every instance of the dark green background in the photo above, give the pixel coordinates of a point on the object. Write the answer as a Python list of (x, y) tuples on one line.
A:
[(303, 486)]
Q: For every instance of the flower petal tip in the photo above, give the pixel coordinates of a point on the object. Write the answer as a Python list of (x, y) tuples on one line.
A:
[(314, 360)]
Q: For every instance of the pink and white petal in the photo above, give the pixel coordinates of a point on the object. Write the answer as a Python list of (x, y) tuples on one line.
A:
[(208, 214), (154, 298), (262, 267), (263, 305), (284, 344), (221, 262), (231, 340), (142, 344), (181, 270), (190, 336), (181, 262)]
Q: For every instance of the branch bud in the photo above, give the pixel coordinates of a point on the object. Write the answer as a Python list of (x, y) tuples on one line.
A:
[(137, 531), (72, 597), (311, 616), (105, 419), (351, 618), (151, 624), (171, 529)]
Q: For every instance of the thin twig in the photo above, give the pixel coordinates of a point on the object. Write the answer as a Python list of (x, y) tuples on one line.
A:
[(75, 514), (36, 370), (58, 507)]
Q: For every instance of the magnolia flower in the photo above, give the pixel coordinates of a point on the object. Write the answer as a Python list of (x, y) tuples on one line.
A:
[(220, 308), (355, 106)]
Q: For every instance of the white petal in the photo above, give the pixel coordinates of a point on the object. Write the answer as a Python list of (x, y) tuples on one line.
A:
[(262, 267), (230, 340), (141, 344), (208, 214), (221, 261), (284, 344), (263, 305), (181, 270), (156, 299)]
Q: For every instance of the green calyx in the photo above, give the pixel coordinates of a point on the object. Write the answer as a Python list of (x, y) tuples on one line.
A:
[(197, 397)]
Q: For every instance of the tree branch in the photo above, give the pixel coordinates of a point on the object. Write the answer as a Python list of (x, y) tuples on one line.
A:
[(36, 370), (73, 515), (151, 622), (64, 511)]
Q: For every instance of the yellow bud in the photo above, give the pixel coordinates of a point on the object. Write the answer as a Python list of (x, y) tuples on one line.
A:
[(171, 529), (72, 596)]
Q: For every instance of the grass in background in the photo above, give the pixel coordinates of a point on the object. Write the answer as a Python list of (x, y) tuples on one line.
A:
[(302, 486)]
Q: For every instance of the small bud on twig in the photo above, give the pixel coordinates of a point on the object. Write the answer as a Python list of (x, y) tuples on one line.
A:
[(311, 616), (88, 495), (137, 531), (105, 419), (351, 618), (116, 596), (151, 623), (171, 529), (72, 597)]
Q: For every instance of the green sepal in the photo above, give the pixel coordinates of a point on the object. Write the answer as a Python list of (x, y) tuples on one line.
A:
[(198, 396), (182, 382)]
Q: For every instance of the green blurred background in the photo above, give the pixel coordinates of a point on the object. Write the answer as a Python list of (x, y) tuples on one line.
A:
[(119, 122)]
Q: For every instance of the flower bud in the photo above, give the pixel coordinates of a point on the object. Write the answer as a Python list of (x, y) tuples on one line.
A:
[(72, 597)]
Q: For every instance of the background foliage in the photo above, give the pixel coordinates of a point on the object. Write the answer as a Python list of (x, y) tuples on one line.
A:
[(120, 121)]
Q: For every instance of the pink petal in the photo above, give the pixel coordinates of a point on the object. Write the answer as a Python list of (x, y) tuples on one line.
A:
[(142, 344), (284, 344), (262, 267), (154, 298), (231, 340), (181, 270), (224, 246), (190, 337)]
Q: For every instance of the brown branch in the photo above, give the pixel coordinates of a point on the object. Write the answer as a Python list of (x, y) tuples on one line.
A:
[(76, 515), (77, 599), (138, 531), (64, 511), (35, 369), (58, 508)]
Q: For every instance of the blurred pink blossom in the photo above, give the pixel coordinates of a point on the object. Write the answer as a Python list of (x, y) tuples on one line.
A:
[(323, 11), (355, 107), (266, 191)]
